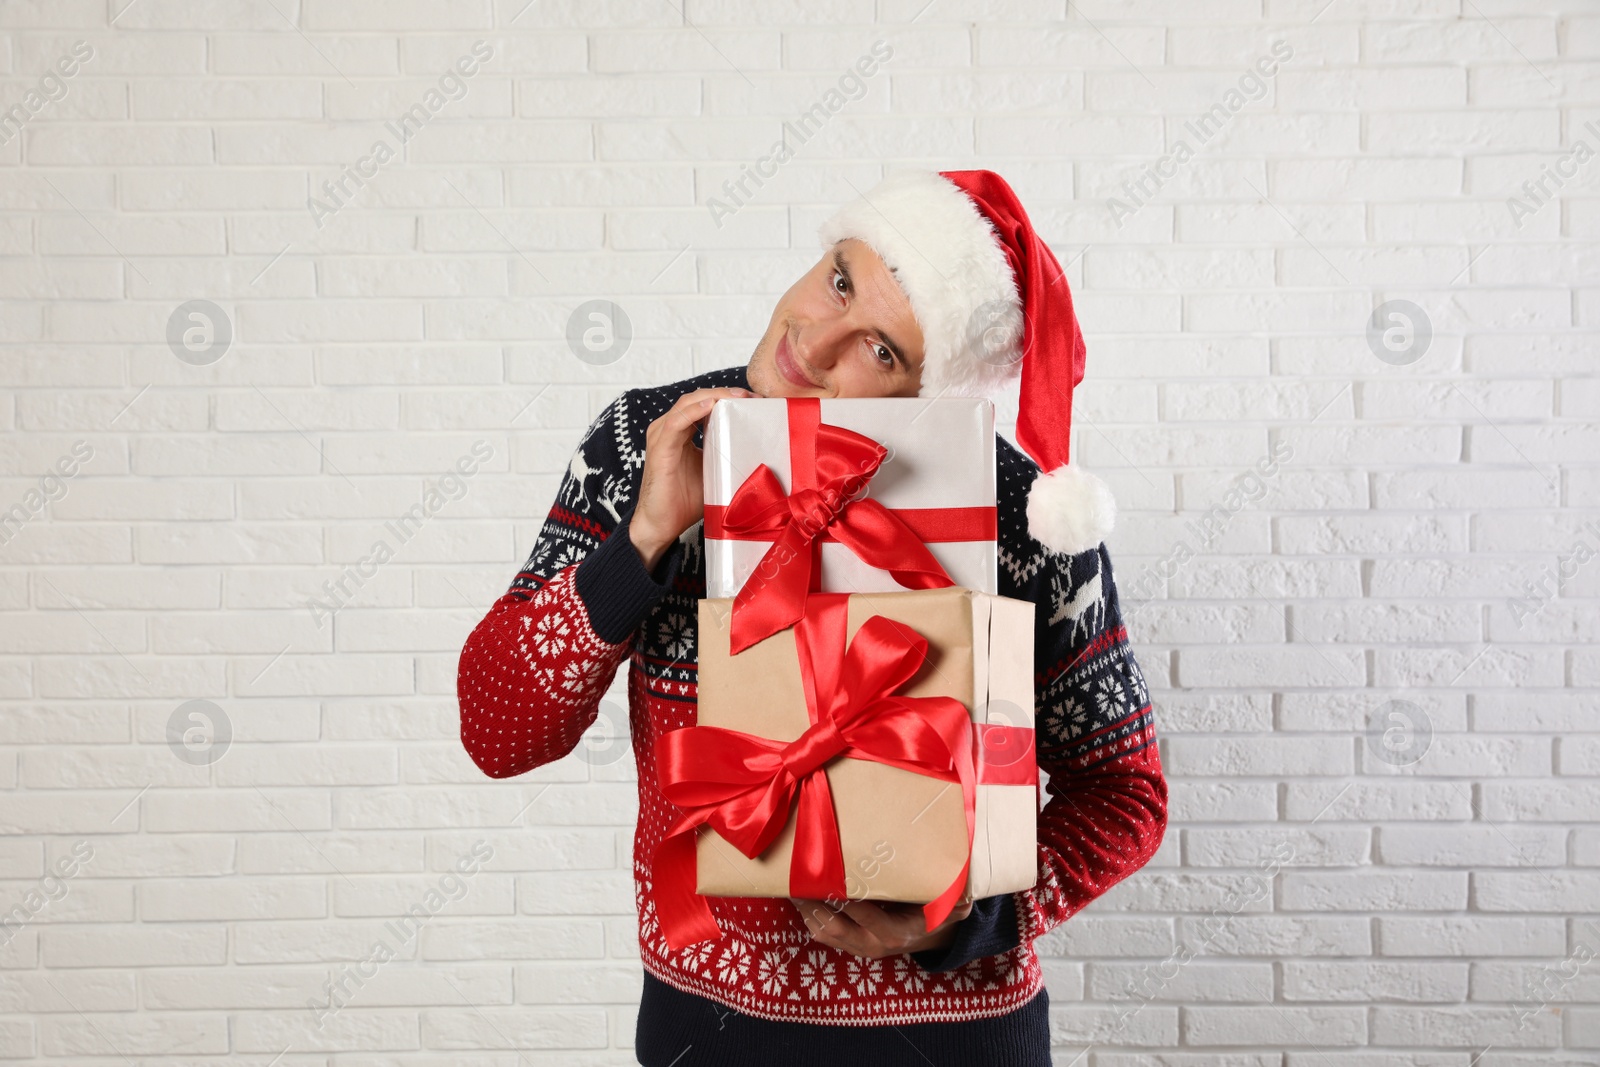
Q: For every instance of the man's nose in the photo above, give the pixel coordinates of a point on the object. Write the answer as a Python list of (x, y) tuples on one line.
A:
[(824, 343)]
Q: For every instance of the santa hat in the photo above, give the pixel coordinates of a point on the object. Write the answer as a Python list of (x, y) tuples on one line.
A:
[(992, 303)]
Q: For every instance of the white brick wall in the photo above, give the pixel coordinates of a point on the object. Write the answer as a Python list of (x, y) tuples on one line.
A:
[(1320, 901)]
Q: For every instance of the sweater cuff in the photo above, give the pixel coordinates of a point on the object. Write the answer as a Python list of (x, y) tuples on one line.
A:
[(615, 587), (989, 930)]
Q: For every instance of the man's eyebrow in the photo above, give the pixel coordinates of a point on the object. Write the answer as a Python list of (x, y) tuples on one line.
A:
[(842, 267), (888, 342)]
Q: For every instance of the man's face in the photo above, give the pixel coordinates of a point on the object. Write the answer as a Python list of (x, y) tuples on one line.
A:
[(844, 329)]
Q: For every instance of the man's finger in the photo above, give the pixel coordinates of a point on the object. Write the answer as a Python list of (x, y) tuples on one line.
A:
[(848, 938), (865, 929), (693, 406), (820, 915), (835, 929), (887, 926)]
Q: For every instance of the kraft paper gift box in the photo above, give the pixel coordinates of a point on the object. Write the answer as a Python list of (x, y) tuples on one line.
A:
[(901, 835), (938, 475)]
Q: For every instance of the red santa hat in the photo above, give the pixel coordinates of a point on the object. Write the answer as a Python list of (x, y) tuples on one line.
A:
[(992, 303)]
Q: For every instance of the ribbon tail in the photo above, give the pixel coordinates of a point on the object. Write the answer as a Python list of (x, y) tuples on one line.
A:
[(773, 598), (684, 915), (960, 742), (816, 868), (882, 539), (938, 910)]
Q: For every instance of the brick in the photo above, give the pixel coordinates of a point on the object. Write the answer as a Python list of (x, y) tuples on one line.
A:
[(617, 51), (578, 984), (1377, 891), (1463, 1027), (1371, 90), (143, 1033), (1364, 801), (1176, 981), (1421, 132), (1279, 1025), (1423, 669), (1274, 666), (148, 145), (1138, 447), (1569, 979), (1446, 488), (1468, 936), (1319, 846), (920, 46), (115, 53), (286, 54), (1278, 935), (1375, 980), (1212, 712), (1014, 136), (135, 946), (1470, 845), (1153, 1025), (1239, 46), (344, 1031), (1525, 712), (1563, 892), (1068, 44), (566, 1028), (192, 901), (401, 15), (1369, 178), (1229, 580), (526, 938), (225, 99), (1366, 622), (976, 91), (635, 96), (1534, 38)]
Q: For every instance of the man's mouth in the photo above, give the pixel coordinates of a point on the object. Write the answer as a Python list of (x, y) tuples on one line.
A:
[(788, 366)]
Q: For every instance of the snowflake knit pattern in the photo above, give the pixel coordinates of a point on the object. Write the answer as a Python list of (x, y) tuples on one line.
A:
[(534, 670)]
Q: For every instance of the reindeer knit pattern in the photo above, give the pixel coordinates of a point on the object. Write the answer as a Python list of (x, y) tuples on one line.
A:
[(534, 670)]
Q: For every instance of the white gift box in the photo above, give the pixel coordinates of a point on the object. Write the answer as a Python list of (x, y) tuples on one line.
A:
[(941, 456)]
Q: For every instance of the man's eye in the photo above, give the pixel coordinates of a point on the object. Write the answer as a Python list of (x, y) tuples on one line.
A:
[(836, 289), (887, 357)]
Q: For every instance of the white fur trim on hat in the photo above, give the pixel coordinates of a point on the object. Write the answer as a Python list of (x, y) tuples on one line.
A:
[(955, 275), (1070, 510)]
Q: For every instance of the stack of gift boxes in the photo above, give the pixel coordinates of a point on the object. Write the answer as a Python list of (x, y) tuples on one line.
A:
[(865, 725)]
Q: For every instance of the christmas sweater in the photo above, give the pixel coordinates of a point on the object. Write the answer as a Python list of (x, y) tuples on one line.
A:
[(533, 671)]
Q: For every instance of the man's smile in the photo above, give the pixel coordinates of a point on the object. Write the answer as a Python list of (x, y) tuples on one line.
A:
[(788, 366)]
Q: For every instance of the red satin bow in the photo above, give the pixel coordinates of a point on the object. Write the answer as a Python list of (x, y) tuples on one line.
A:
[(743, 784), (828, 465)]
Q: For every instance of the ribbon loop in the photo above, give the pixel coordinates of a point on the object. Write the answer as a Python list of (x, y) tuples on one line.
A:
[(829, 467)]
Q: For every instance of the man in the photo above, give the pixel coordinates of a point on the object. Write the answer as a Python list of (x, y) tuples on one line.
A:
[(886, 311)]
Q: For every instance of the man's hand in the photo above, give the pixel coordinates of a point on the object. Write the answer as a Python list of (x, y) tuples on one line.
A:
[(877, 930), (672, 492)]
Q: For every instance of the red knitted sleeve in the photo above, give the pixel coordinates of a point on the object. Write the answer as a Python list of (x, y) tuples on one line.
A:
[(1107, 807), (533, 671), (531, 677)]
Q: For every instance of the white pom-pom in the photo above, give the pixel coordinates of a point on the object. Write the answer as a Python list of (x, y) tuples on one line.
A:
[(1070, 510)]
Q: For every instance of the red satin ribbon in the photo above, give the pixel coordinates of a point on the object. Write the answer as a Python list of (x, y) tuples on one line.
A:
[(827, 465), (926, 524), (743, 784), (1005, 754)]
